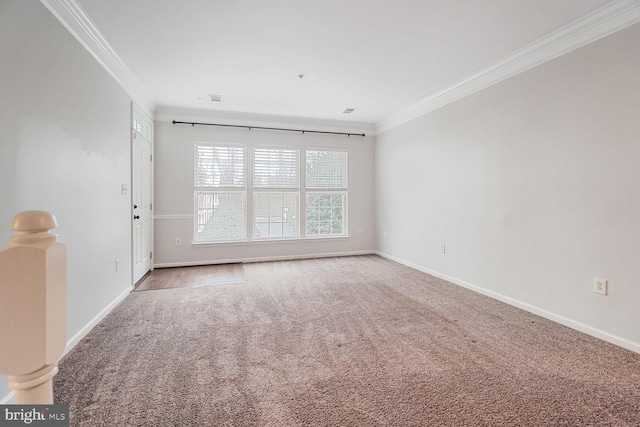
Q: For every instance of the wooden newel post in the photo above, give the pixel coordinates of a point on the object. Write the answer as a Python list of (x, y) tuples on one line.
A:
[(33, 302)]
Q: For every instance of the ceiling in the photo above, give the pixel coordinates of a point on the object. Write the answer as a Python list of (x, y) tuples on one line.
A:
[(375, 56)]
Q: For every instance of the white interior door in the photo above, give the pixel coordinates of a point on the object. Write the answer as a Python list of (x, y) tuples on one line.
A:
[(141, 191)]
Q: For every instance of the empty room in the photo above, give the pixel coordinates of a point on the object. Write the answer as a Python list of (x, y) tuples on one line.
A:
[(305, 213)]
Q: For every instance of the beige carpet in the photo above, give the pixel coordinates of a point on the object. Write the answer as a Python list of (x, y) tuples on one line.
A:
[(356, 341)]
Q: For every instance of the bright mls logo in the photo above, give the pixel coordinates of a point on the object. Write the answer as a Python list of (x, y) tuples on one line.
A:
[(36, 415), (28, 417)]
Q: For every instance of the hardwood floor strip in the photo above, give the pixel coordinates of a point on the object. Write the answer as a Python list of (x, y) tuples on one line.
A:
[(188, 277)]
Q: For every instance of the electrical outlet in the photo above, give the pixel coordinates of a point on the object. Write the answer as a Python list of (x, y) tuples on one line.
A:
[(117, 265), (178, 242), (600, 286), (442, 248)]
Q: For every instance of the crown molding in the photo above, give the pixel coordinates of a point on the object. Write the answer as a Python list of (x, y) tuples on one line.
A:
[(612, 17), (600, 23), (168, 114), (76, 21)]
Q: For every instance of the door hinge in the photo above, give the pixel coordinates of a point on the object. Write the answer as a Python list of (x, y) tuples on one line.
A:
[(150, 255), (150, 206), (151, 157)]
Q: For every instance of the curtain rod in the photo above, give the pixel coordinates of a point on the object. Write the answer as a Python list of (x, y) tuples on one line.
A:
[(267, 128)]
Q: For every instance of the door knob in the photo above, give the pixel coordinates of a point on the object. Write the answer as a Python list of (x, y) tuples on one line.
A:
[(136, 217)]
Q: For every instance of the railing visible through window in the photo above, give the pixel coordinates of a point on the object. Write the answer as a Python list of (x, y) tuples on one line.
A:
[(219, 193)]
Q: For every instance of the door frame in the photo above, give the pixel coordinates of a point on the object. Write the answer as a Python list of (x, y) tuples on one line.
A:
[(140, 116)]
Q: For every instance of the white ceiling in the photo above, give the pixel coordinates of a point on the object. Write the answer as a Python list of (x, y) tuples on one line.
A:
[(377, 56)]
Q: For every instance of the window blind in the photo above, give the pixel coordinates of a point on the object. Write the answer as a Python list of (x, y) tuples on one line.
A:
[(219, 166), (326, 169), (275, 168)]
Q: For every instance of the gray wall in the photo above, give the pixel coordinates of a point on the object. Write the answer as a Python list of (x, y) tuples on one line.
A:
[(532, 186), (173, 187), (64, 148)]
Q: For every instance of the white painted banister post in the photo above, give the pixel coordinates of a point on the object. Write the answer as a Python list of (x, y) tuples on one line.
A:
[(33, 300)]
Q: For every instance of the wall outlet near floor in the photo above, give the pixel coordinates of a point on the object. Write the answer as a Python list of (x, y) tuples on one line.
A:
[(442, 248), (178, 242), (600, 286)]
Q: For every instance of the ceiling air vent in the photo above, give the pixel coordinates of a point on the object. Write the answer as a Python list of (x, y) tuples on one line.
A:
[(349, 111), (215, 98)]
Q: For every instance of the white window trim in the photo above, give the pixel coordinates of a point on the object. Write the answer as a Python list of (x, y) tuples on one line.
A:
[(250, 191), (297, 190), (243, 190), (345, 190), (268, 191), (299, 151), (341, 150), (345, 219), (141, 126)]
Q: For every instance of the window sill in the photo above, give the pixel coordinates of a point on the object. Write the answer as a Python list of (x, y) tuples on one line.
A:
[(270, 241)]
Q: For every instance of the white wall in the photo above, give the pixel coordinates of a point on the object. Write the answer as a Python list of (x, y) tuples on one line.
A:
[(532, 184), (64, 148), (173, 163)]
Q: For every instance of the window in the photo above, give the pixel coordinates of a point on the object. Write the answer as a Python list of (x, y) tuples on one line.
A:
[(276, 215), (326, 195), (219, 193), (141, 126), (275, 168), (276, 183), (244, 193)]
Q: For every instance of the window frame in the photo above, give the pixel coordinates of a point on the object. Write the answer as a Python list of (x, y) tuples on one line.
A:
[(275, 189), (220, 190), (345, 222), (297, 219), (344, 190), (141, 126), (250, 192)]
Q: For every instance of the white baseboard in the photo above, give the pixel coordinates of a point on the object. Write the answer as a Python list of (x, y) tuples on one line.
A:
[(74, 340), (81, 333), (573, 324), (260, 259)]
